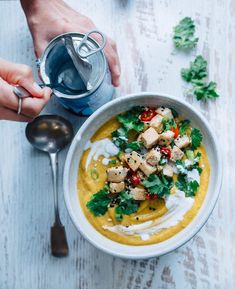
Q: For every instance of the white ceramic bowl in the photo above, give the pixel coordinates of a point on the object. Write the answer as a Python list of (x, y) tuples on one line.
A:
[(76, 149)]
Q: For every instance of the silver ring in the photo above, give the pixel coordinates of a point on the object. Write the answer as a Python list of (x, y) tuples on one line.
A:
[(21, 93), (19, 106)]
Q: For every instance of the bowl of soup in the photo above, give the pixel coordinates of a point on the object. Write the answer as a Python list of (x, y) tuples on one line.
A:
[(142, 175)]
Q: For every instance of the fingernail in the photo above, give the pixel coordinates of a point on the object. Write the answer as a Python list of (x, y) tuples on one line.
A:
[(37, 87)]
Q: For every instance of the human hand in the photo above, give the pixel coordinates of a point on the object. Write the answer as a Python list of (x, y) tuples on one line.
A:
[(48, 19), (19, 74)]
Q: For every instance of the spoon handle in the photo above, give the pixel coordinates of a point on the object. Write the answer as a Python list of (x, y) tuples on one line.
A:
[(59, 245)]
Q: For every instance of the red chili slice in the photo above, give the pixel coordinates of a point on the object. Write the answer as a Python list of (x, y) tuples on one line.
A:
[(166, 152), (151, 197), (147, 115), (175, 130), (135, 179)]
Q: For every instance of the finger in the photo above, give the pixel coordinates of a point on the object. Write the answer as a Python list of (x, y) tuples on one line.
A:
[(8, 114), (32, 106), (31, 86), (114, 65)]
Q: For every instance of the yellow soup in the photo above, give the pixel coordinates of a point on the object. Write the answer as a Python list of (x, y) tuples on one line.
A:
[(148, 210)]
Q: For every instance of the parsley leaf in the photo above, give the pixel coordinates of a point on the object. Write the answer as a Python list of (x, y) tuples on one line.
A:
[(189, 188), (126, 205), (183, 126), (184, 34), (204, 90), (168, 124), (158, 185), (196, 138), (130, 119), (99, 202), (196, 71)]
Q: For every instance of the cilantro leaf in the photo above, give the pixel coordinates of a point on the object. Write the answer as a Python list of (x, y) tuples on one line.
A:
[(99, 202), (183, 126), (130, 119), (184, 167), (196, 71), (174, 112), (168, 124), (196, 138), (135, 145), (120, 137), (189, 188), (158, 185), (126, 205), (184, 34), (204, 90)]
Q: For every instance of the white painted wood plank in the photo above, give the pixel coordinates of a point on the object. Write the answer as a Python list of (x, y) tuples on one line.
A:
[(143, 30)]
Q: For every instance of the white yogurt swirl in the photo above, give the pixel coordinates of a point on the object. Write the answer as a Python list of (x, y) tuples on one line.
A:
[(177, 204), (104, 147)]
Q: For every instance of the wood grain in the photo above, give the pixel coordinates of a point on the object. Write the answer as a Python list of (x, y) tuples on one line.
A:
[(142, 30)]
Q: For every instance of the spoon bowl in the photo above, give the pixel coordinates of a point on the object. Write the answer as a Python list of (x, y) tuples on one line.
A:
[(49, 133)]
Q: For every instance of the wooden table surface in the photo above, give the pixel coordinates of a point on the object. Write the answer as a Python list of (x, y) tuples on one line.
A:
[(143, 32)]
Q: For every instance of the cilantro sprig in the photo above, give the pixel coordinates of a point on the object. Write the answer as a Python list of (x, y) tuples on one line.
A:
[(184, 34), (126, 205), (183, 126), (158, 185), (129, 122), (197, 75), (196, 138), (189, 188), (99, 202), (130, 119), (167, 124), (196, 71)]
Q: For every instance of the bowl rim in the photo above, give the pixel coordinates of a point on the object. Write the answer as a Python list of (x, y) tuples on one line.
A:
[(197, 226)]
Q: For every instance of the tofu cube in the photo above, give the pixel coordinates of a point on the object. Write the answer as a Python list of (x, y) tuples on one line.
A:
[(176, 154), (182, 141), (156, 123), (138, 194), (133, 160), (146, 168), (165, 112), (168, 171), (116, 174), (166, 138), (117, 187), (150, 137), (153, 157)]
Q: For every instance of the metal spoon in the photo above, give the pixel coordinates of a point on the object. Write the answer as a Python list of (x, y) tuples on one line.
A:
[(51, 133)]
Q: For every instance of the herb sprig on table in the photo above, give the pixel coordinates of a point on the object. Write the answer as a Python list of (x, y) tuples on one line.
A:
[(197, 75), (184, 34)]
